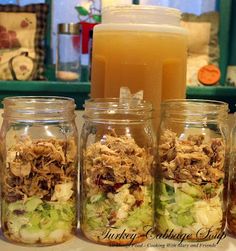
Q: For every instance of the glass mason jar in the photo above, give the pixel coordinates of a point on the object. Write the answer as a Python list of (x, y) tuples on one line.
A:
[(39, 170), (231, 213), (117, 161), (68, 66), (191, 188)]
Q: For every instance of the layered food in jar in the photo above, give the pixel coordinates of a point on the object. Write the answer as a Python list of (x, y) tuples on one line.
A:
[(116, 190), (39, 190), (190, 191), (231, 212)]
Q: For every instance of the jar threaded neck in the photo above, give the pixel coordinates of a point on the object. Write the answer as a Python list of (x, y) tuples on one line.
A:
[(117, 110), (38, 108), (194, 110)]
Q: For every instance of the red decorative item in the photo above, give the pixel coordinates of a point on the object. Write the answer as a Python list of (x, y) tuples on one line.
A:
[(24, 24), (209, 75), (86, 27), (8, 39), (12, 34), (76, 42), (2, 29)]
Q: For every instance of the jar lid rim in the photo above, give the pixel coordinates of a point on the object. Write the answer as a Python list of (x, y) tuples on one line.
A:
[(147, 14), (69, 28), (46, 99), (196, 108), (38, 107), (194, 101), (118, 103), (128, 7)]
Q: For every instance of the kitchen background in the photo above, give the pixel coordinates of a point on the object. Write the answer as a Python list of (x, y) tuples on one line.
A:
[(66, 11)]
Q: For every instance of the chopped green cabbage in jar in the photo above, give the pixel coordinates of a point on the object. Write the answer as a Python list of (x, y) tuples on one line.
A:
[(118, 210), (33, 220), (185, 207)]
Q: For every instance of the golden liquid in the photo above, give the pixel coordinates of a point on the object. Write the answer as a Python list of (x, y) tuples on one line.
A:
[(151, 61)]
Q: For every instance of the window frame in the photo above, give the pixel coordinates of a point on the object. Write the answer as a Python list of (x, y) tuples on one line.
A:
[(224, 8)]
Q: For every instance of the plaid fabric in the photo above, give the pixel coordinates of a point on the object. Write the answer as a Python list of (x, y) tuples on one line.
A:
[(41, 11)]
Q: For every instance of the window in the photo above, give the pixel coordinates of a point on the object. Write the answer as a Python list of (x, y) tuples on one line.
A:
[(25, 2), (8, 2), (62, 13), (21, 2), (66, 13), (196, 6)]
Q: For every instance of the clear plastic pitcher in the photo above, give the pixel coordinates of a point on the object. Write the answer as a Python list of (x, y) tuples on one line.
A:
[(143, 48)]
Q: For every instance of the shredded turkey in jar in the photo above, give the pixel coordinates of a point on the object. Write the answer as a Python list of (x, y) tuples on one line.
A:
[(39, 168), (117, 160), (194, 159), (191, 188), (117, 188)]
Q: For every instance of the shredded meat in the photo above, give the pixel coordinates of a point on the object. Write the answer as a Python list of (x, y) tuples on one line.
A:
[(193, 159), (35, 167), (117, 160)]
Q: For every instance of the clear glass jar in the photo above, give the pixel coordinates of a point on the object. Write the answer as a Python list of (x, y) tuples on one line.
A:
[(39, 170), (231, 213), (68, 52), (117, 160), (191, 186)]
